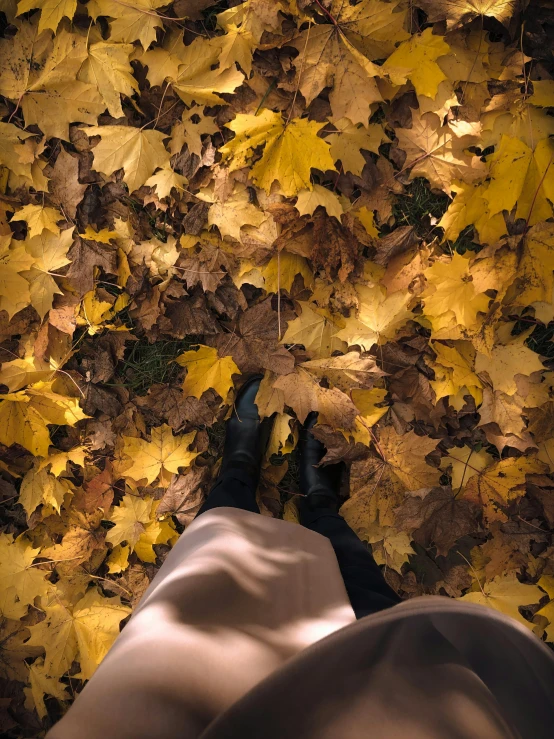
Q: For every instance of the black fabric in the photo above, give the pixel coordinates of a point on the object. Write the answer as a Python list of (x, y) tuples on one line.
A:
[(234, 490), (366, 587)]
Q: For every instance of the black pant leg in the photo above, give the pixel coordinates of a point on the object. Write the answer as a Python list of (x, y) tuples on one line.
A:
[(366, 587), (237, 491)]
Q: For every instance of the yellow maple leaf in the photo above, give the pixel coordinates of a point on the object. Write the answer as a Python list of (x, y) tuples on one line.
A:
[(279, 441), (290, 152), (536, 265), (57, 461), (451, 291), (104, 236), (205, 370), (464, 463), (469, 208), (14, 289), (454, 373), (505, 593), (21, 423), (94, 312), (309, 200), (42, 684), (164, 180), (11, 138), (19, 579), (24, 416), (389, 547), (234, 213), (118, 559), (38, 218), (191, 70), (281, 270), (416, 60), (40, 488), (45, 83), (506, 361), (345, 371), (138, 152), (83, 629), (379, 485), (52, 11), (328, 59), (315, 329), (189, 130), (347, 143), (108, 67), (369, 403), (496, 486), (130, 22), (20, 372), (379, 316), (136, 524), (49, 251), (131, 517), (236, 45), (303, 394), (165, 453), (516, 170)]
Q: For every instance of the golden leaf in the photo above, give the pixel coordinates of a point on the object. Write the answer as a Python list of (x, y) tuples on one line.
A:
[(165, 453), (291, 150), (205, 370)]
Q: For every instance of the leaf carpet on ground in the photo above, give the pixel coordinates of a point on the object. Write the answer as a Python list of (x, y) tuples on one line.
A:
[(352, 199)]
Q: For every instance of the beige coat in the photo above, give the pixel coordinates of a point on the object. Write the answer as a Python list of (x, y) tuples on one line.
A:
[(246, 631)]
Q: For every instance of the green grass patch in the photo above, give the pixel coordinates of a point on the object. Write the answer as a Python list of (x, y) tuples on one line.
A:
[(542, 340), (418, 206), (147, 364)]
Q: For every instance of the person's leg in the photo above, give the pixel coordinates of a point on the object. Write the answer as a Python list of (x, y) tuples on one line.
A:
[(363, 579), (366, 587), (246, 437), (234, 492)]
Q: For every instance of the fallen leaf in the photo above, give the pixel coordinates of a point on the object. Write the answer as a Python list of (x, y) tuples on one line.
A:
[(205, 370), (290, 151), (156, 458), (506, 594)]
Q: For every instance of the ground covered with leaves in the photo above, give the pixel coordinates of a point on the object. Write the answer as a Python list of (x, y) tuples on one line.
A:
[(352, 198)]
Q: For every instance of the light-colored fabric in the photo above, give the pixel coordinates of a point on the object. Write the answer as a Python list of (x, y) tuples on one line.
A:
[(429, 668), (246, 631), (238, 595)]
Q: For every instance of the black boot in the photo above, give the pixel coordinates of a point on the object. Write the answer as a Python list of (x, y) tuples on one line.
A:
[(320, 485), (246, 436)]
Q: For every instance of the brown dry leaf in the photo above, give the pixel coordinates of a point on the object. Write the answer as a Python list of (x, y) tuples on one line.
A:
[(346, 371), (335, 249), (439, 153), (507, 550), (439, 518), (185, 495), (84, 536), (379, 484), (458, 12), (254, 341), (182, 413), (67, 192), (498, 485), (303, 394), (97, 493)]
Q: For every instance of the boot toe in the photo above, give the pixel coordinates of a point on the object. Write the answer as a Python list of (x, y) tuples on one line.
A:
[(245, 402)]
